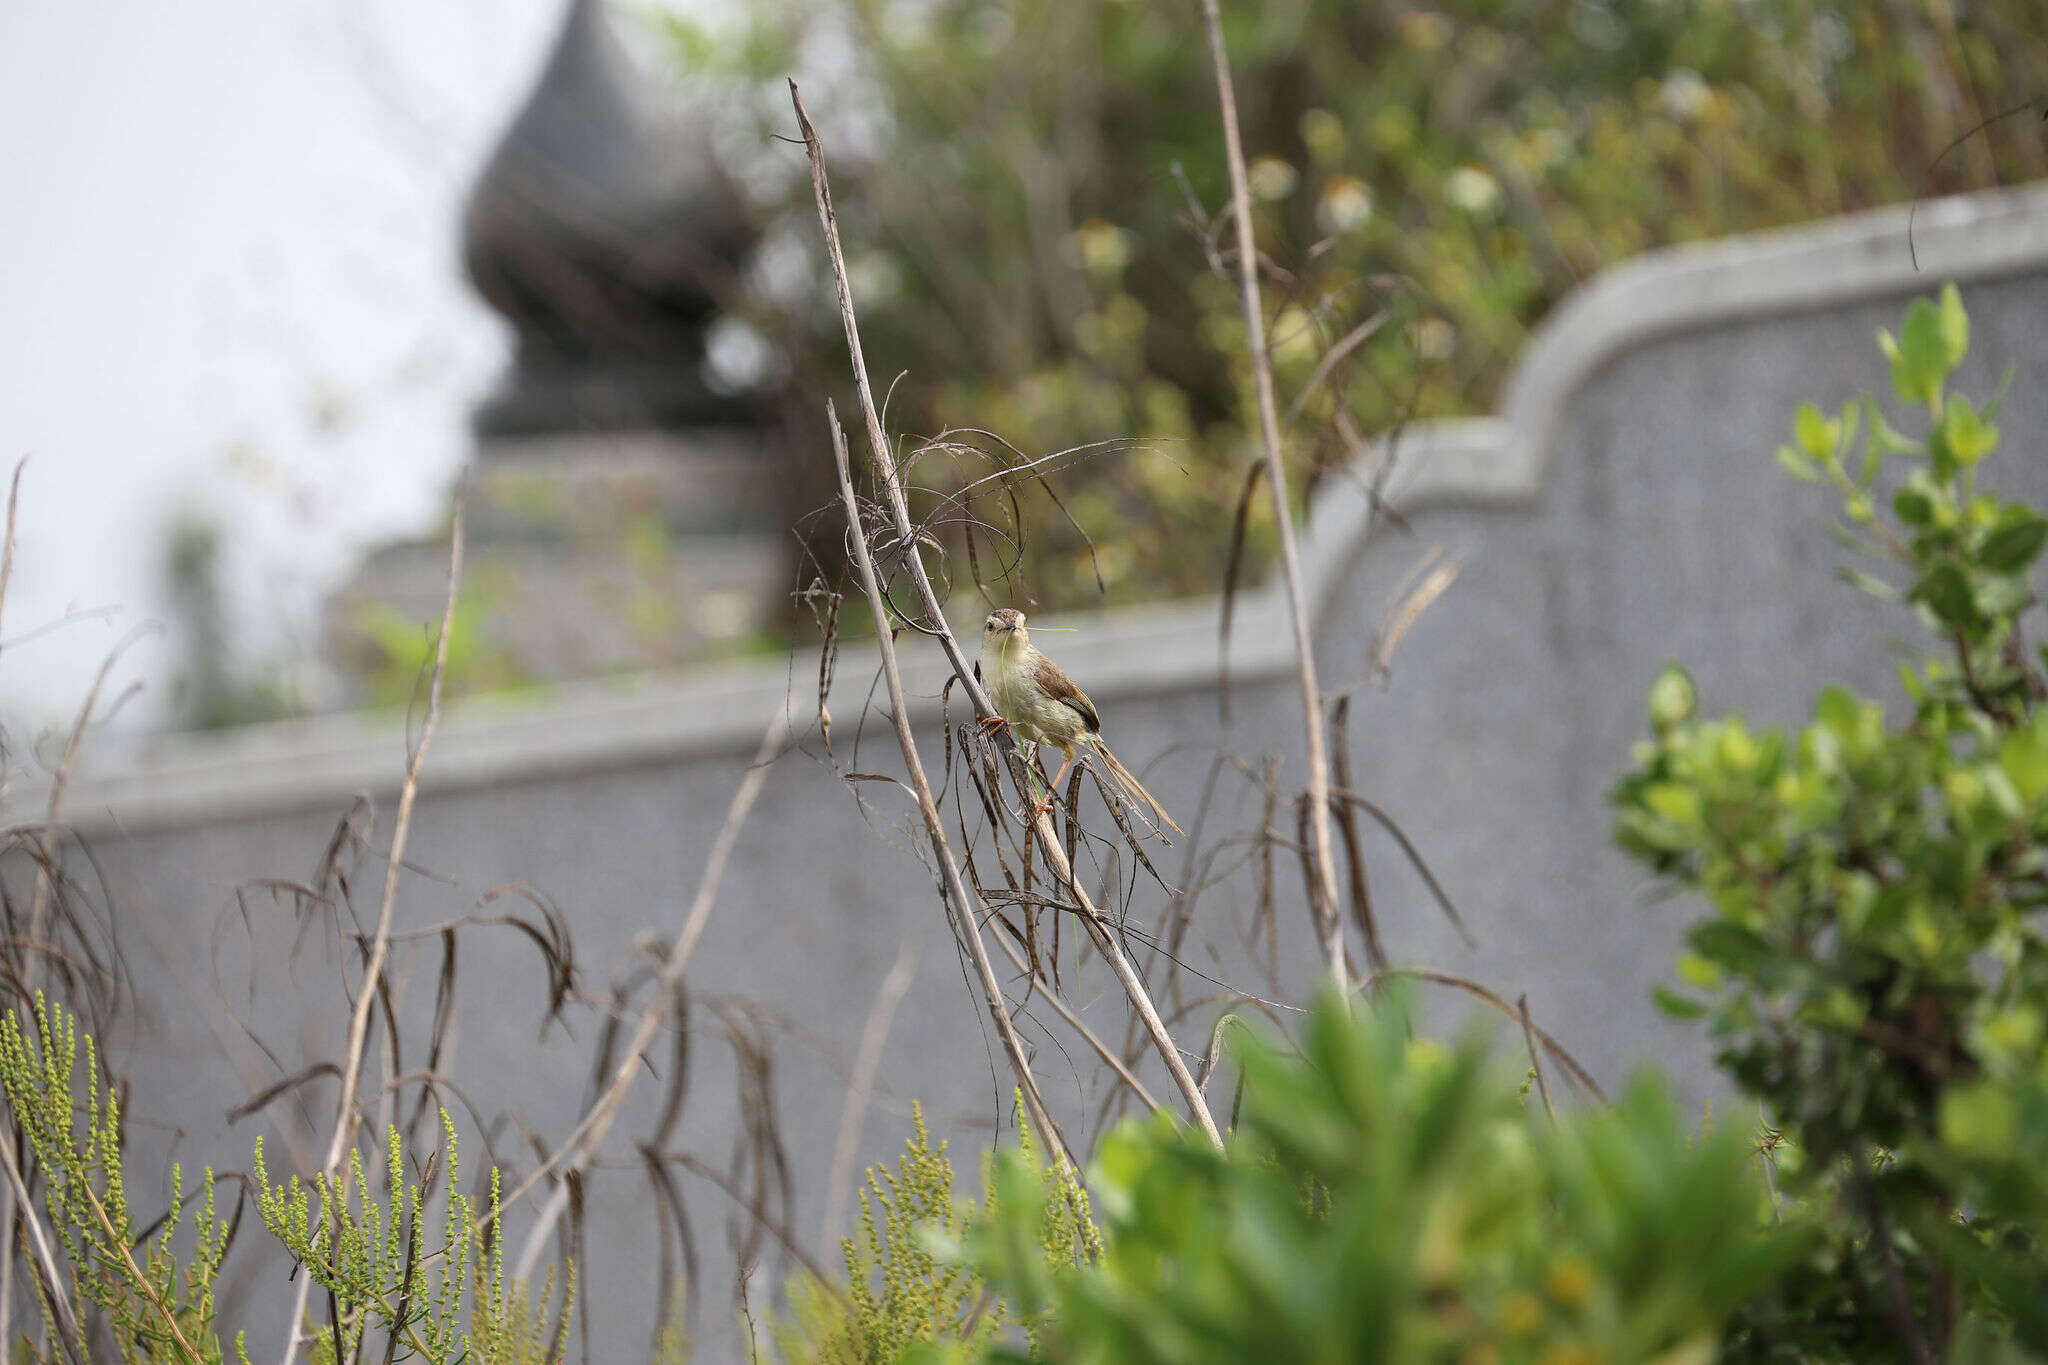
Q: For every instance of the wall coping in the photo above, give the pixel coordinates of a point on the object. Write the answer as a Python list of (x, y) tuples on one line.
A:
[(324, 761)]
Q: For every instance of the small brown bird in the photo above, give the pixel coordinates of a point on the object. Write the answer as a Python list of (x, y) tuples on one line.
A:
[(1040, 702)]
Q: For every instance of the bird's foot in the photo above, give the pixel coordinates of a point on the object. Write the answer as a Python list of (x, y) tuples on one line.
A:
[(1041, 808), (990, 725)]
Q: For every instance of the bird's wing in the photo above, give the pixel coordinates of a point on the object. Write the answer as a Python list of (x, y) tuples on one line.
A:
[(1054, 683)]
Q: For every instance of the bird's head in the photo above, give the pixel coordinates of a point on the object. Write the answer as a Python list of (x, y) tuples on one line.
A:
[(1003, 630)]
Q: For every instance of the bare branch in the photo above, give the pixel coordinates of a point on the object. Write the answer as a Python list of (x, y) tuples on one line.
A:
[(861, 1082), (380, 946), (573, 1157), (53, 1279), (7, 552), (1323, 878)]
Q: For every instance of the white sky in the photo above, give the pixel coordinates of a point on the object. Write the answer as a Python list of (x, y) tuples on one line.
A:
[(229, 286)]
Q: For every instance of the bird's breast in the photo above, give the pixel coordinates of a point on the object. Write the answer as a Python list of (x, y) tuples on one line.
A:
[(1036, 717)]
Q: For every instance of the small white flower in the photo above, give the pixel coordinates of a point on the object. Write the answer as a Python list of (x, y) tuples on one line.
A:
[(1472, 189), (736, 356), (1346, 204), (1272, 178), (1104, 248), (1685, 94)]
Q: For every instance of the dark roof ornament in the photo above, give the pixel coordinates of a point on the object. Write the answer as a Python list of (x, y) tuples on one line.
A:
[(603, 232)]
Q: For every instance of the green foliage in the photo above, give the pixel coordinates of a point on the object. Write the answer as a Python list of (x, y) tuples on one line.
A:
[(155, 1310), (1389, 1199), (909, 1294), (375, 1259), (213, 691), (1019, 233), (376, 1262), (398, 651), (1874, 965)]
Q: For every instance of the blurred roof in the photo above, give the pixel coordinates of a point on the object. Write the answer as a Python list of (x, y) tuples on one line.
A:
[(602, 230)]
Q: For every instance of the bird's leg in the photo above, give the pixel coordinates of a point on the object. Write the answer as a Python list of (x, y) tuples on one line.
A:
[(1052, 792)]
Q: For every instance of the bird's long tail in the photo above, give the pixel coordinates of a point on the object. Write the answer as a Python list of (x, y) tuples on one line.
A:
[(1129, 782)]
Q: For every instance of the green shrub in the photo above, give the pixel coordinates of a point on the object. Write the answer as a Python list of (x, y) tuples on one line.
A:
[(907, 1287), (381, 1270), (1387, 1199), (154, 1308), (377, 1262), (1874, 965)]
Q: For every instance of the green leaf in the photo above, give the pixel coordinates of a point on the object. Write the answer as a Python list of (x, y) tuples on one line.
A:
[(1698, 971), (1887, 437), (1945, 590), (1914, 504), (1796, 464), (1840, 710), (1673, 698), (1998, 395), (1979, 1119), (1815, 433), (2024, 757), (1919, 355), (1676, 1006), (1869, 583), (1967, 437), (1955, 327), (2015, 540), (1729, 944), (1670, 801)]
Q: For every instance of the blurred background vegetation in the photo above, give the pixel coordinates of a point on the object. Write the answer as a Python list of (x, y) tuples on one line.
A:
[(1030, 192)]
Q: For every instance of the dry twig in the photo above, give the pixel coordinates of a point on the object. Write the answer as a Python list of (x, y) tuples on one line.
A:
[(380, 945), (1323, 878), (1535, 1058), (573, 1157), (53, 1278), (861, 1083)]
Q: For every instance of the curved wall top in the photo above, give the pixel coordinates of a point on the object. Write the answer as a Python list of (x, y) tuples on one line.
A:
[(1499, 461)]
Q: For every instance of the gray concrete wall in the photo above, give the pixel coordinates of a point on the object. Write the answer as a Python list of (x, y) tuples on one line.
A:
[(1622, 510)]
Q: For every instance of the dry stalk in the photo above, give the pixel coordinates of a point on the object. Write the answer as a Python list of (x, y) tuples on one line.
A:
[(1323, 878), (960, 907), (1049, 992), (892, 490), (7, 552), (860, 1083), (39, 902), (380, 945), (574, 1156), (7, 1198), (53, 1279), (1535, 1057)]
